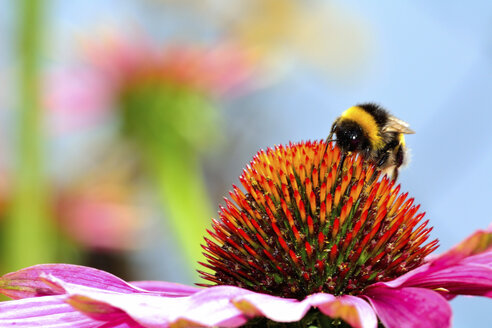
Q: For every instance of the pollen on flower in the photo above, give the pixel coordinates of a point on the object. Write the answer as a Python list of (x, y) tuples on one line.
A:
[(311, 221)]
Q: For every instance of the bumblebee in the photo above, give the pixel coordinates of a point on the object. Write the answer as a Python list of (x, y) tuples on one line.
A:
[(370, 130)]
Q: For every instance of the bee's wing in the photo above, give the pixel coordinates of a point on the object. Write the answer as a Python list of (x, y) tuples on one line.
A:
[(396, 125)]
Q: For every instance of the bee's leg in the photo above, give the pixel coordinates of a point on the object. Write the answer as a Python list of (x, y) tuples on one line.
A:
[(327, 141), (342, 160), (383, 159), (398, 161), (390, 145), (385, 152), (388, 154), (399, 157), (394, 176), (329, 137), (380, 161)]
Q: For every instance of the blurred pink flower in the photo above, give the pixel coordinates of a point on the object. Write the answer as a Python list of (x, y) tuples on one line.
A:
[(212, 69), (77, 98), (99, 223), (77, 296), (86, 93)]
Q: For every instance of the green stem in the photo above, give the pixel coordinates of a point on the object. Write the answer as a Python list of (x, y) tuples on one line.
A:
[(167, 123), (182, 191), (28, 232)]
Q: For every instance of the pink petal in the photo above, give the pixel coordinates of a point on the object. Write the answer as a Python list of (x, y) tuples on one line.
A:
[(168, 288), (123, 323), (458, 279), (28, 282), (48, 311), (484, 259), (100, 312), (213, 307), (210, 307), (470, 276), (409, 307), (149, 311), (273, 307), (155, 311), (351, 309), (466, 269), (479, 242), (216, 306)]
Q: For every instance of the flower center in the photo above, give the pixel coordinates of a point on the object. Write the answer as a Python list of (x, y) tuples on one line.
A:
[(310, 221)]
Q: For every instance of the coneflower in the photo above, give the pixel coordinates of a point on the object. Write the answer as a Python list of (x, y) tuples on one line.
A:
[(314, 239), (308, 223)]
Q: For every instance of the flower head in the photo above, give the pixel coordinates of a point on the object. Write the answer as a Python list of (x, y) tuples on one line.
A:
[(311, 223), (117, 66), (315, 238), (215, 69)]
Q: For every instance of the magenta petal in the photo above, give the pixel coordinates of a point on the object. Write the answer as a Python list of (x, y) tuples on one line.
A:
[(122, 323), (213, 307), (273, 307), (351, 309), (479, 242), (48, 311), (31, 282), (354, 310), (458, 279), (409, 307), (28, 283), (148, 310), (470, 276), (167, 288), (210, 307), (484, 259)]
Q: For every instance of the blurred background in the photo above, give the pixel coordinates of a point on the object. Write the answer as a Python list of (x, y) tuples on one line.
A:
[(124, 123)]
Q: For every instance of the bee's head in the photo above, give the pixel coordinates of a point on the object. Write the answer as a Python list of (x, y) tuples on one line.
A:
[(350, 136)]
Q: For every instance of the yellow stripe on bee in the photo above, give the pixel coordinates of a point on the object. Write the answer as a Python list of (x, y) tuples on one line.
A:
[(368, 124), (401, 138)]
